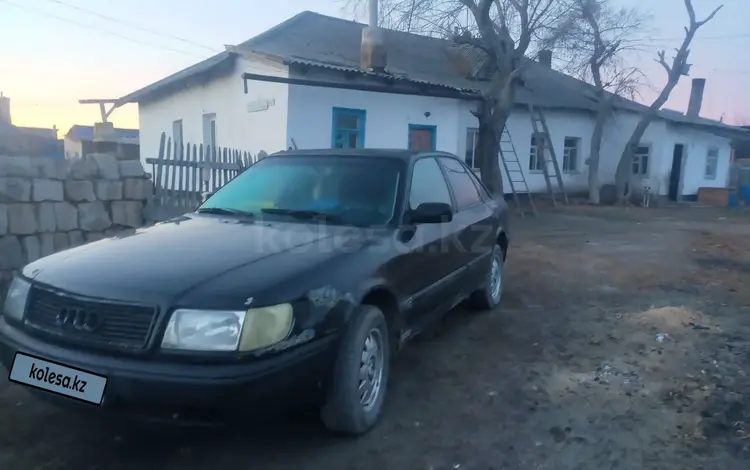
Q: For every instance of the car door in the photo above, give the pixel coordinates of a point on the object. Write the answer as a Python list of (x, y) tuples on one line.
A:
[(474, 224), (421, 266)]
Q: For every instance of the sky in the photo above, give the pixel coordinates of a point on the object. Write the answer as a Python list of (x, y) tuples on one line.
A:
[(55, 52)]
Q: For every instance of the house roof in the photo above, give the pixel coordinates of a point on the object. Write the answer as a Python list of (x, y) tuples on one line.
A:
[(35, 132), (317, 40), (87, 133)]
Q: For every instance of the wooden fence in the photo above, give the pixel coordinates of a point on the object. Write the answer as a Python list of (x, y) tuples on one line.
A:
[(184, 173)]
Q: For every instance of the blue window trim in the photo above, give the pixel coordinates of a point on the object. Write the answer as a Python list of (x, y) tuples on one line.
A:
[(424, 127), (361, 114)]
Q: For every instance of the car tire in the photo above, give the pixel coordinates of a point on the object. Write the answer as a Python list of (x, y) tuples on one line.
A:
[(347, 410), (490, 294)]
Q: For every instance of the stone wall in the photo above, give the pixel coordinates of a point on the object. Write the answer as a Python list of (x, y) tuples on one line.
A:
[(49, 204)]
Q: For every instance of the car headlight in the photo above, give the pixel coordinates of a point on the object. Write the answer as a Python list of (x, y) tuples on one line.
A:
[(15, 301), (210, 330)]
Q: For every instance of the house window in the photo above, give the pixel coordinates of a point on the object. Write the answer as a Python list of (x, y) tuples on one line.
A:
[(348, 128), (209, 131), (570, 154), (640, 160), (712, 162), (177, 135), (472, 141), (536, 161)]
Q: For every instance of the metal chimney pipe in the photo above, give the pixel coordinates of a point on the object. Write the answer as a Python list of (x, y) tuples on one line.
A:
[(374, 55)]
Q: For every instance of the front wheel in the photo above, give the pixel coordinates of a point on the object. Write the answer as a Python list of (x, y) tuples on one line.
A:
[(489, 295), (356, 395)]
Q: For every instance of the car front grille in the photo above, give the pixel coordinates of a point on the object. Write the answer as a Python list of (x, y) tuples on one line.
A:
[(97, 323)]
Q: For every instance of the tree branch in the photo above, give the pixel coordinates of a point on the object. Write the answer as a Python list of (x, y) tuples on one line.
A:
[(691, 13), (524, 39), (663, 61), (710, 17), (502, 15)]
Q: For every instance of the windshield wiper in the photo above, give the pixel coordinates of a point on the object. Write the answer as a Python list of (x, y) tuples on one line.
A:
[(224, 211), (313, 215), (303, 214)]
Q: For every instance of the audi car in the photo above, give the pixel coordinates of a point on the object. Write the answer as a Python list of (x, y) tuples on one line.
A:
[(297, 281)]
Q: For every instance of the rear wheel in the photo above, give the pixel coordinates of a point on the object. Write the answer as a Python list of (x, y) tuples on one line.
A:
[(357, 393), (489, 295)]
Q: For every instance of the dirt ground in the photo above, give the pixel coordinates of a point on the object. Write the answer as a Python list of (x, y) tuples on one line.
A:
[(622, 343)]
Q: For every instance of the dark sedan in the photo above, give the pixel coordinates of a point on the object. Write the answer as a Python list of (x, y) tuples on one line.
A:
[(300, 278)]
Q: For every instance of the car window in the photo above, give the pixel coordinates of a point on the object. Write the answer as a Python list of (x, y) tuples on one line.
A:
[(358, 190), (464, 190), (428, 184), (480, 187)]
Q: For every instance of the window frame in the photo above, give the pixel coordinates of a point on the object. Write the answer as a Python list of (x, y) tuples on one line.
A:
[(422, 127), (715, 157), (471, 146), (640, 156), (566, 155), (361, 114), (535, 147), (209, 132), (456, 206), (178, 124)]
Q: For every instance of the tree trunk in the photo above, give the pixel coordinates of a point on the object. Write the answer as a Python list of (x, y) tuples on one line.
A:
[(488, 146), (492, 114), (596, 145), (491, 124), (625, 166)]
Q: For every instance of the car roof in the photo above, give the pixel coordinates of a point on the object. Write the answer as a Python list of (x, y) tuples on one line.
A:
[(402, 154)]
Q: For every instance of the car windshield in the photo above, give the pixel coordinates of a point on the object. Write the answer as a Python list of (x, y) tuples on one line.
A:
[(338, 190)]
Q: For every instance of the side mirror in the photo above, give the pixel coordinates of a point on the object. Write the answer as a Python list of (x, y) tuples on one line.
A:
[(431, 213)]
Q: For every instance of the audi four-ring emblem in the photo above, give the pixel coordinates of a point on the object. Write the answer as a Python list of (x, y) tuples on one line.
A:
[(77, 319)]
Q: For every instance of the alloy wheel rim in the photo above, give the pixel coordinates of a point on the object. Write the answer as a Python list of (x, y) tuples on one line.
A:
[(371, 369)]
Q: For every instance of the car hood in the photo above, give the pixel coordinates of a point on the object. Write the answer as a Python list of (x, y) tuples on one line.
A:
[(159, 263)]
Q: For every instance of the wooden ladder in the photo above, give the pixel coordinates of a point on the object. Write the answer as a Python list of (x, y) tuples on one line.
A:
[(544, 140)]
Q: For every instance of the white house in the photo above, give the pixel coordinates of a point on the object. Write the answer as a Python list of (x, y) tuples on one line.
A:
[(304, 84)]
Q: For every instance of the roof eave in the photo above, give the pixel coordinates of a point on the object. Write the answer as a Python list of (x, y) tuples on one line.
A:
[(714, 127), (169, 85)]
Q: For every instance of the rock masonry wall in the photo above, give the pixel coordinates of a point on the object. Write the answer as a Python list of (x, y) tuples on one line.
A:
[(49, 205)]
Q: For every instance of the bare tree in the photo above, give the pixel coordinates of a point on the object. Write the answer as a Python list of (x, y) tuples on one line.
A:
[(506, 30), (595, 50), (675, 70)]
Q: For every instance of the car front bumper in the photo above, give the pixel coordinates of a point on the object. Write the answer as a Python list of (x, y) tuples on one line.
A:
[(185, 392)]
